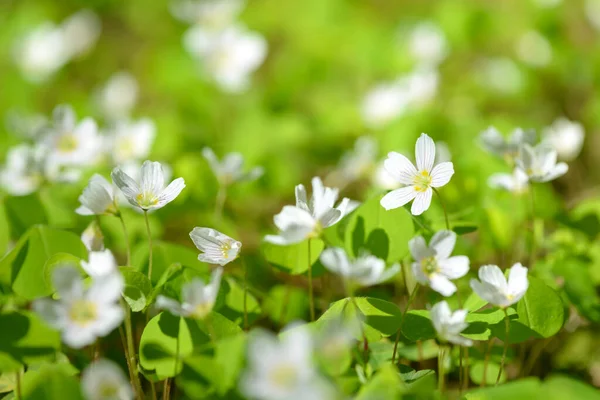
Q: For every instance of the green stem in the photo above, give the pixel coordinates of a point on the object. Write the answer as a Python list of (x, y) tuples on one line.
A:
[(126, 238), (131, 353), (441, 372), (506, 340), (245, 294), (310, 285), (365, 341), (466, 373), (166, 389), (443, 208), (149, 245), (220, 202), (18, 386), (124, 342), (486, 362), (408, 304)]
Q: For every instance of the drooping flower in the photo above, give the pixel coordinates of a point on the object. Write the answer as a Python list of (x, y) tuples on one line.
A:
[(131, 140), (493, 141), (449, 325), (494, 288), (197, 298), (104, 380), (150, 193), (427, 44), (118, 96), (97, 198), (231, 169), (434, 266), (419, 181), (539, 163), (308, 218), (566, 137), (282, 368), (517, 182), (365, 270), (100, 263), (81, 314), (216, 247)]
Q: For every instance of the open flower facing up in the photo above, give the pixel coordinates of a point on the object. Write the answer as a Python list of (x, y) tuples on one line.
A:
[(282, 368), (365, 270), (494, 288), (419, 181), (83, 314), (150, 193), (517, 182), (97, 198), (566, 137), (100, 263), (493, 141), (308, 218), (231, 169), (104, 380), (449, 325), (216, 247), (539, 163), (197, 298), (131, 140), (433, 264)]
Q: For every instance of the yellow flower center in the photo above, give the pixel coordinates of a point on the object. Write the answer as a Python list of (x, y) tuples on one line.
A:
[(126, 148), (67, 143), (202, 310), (429, 266), (284, 376), (422, 181), (83, 312), (108, 391), (146, 199)]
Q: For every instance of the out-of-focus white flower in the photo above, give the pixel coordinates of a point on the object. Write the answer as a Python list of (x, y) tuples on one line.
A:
[(360, 160), (22, 173), (197, 298), (383, 179), (566, 137), (421, 86), (517, 182), (131, 140), (383, 103), (493, 141), (307, 218), (210, 14), (27, 126), (592, 12), (231, 169), (150, 193), (419, 182), (501, 74), (337, 335), (547, 3), (494, 288), (534, 49), (97, 197), (100, 263), (118, 96), (83, 314), (449, 325), (228, 56), (92, 237), (442, 153), (216, 247), (80, 32), (104, 380), (282, 368), (427, 44), (365, 270), (539, 163), (433, 264)]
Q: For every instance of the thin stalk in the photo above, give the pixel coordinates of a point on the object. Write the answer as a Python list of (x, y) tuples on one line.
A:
[(220, 202), (126, 236), (18, 386), (408, 304), (466, 373), (131, 353), (443, 207), (460, 369), (310, 285), (365, 341), (166, 389), (153, 390), (441, 372), (124, 342), (506, 339), (486, 362), (533, 356), (245, 294), (533, 244), (149, 245)]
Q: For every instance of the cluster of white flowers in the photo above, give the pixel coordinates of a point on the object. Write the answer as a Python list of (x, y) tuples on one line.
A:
[(227, 52), (45, 50)]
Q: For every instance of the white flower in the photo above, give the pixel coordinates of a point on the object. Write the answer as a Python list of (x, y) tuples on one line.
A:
[(211, 14), (592, 12), (104, 380), (118, 96), (231, 169), (282, 369), (384, 103), (534, 49), (197, 298), (427, 43), (495, 289), (566, 137), (25, 125), (500, 74), (80, 32), (365, 270), (307, 218), (83, 314), (539, 163), (421, 86), (493, 141), (22, 174), (419, 181), (517, 182), (100, 263), (92, 237), (97, 198), (449, 325), (228, 56), (360, 160), (131, 140), (150, 193), (216, 247), (433, 264)]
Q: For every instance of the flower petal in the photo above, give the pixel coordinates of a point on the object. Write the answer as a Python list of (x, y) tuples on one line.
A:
[(425, 153), (68, 283), (493, 275), (441, 174), (454, 267), (517, 280), (171, 192), (398, 198), (127, 185), (443, 243), (336, 260), (422, 202), (418, 248), (152, 179), (442, 285), (400, 168)]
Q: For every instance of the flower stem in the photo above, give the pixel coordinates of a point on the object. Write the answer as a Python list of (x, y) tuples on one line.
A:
[(441, 372), (18, 385), (131, 353), (408, 304), (506, 340), (443, 207), (126, 236), (166, 389), (466, 373), (310, 285), (245, 294), (486, 362), (149, 245), (220, 202)]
